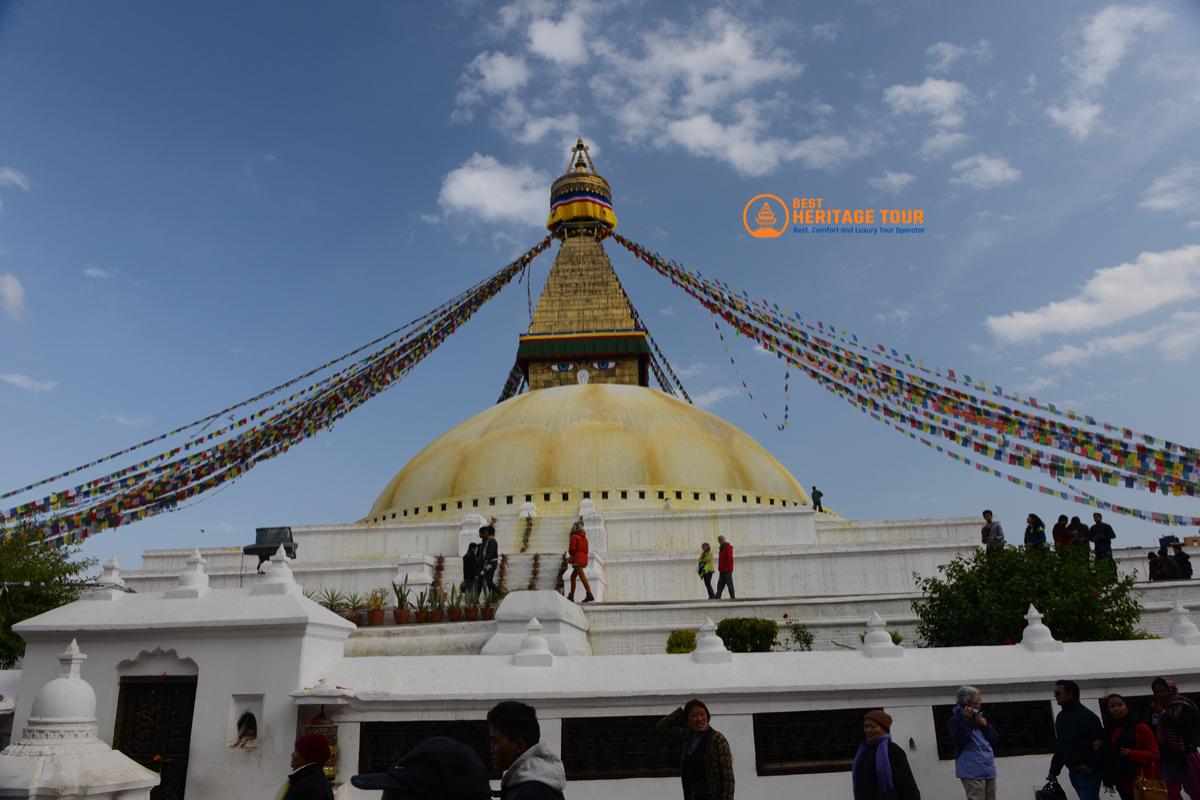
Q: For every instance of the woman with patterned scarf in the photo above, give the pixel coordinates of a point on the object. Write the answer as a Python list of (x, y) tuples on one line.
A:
[(880, 770), (1177, 721), (706, 763)]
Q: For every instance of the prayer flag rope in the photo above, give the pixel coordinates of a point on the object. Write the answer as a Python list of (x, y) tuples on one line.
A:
[(153, 487), (964, 419)]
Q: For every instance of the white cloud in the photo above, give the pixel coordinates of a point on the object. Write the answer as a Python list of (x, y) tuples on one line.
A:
[(1077, 117), (13, 177), (1175, 340), (126, 420), (23, 381), (941, 144), (985, 172), (12, 296), (99, 273), (496, 192), (1110, 296), (499, 72), (692, 370), (826, 31), (1037, 384), (947, 54), (1106, 39), (710, 397), (1174, 190), (562, 42), (669, 311), (899, 314), (940, 99), (893, 182)]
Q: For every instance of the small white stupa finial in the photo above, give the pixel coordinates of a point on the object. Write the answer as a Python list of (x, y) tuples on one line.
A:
[(1037, 637), (1182, 629), (878, 642), (534, 650), (193, 581), (111, 574), (71, 660), (709, 647)]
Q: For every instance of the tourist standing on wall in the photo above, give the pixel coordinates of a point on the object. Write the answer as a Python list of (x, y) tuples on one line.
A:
[(1182, 560), (532, 771), (489, 557), (577, 553), (1176, 724), (1080, 532), (1129, 749), (1064, 537), (1102, 535), (880, 769), (974, 741), (470, 561), (991, 535), (817, 494), (1079, 736), (307, 780), (705, 569), (1035, 532), (724, 568), (706, 764)]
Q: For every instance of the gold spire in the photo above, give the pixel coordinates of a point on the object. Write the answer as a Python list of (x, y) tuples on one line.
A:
[(581, 200)]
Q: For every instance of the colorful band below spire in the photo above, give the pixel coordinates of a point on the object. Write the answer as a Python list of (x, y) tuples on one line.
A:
[(581, 205)]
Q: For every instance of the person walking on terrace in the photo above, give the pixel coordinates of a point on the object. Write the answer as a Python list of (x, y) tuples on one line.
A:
[(705, 569), (489, 558), (577, 554), (724, 568)]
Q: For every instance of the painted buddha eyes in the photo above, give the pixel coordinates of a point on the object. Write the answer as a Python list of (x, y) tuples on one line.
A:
[(604, 365), (562, 366)]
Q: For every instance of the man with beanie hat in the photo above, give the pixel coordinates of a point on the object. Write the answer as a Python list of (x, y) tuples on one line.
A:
[(307, 780), (880, 768), (438, 768)]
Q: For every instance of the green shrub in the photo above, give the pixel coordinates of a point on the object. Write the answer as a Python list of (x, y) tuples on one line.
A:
[(682, 641), (748, 634), (798, 637)]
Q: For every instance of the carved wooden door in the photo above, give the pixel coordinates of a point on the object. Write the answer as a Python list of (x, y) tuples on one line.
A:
[(154, 728)]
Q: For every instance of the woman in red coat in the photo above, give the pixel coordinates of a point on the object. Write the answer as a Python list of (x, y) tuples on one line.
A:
[(577, 553), (1130, 748)]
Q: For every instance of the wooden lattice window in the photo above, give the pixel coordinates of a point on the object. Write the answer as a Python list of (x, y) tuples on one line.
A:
[(1026, 728), (799, 742), (382, 743), (611, 748)]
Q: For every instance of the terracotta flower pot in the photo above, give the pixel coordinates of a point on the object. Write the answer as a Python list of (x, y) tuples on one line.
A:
[(375, 616), (401, 615), (436, 616), (454, 614), (422, 616), (353, 616), (471, 613), (487, 613)]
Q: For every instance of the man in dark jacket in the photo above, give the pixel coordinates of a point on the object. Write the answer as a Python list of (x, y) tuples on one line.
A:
[(1102, 535), (532, 771), (307, 780), (1079, 735), (488, 556), (1182, 560), (991, 535)]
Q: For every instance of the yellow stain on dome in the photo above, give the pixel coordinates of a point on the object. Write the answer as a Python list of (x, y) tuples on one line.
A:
[(593, 437)]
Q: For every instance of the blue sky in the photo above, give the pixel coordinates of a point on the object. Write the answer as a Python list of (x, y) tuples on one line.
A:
[(198, 201)]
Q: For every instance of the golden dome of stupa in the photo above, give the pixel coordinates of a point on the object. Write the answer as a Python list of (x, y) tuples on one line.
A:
[(626, 447)]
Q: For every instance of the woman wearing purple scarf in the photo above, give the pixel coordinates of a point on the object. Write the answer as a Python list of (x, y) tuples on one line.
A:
[(880, 770), (1176, 721)]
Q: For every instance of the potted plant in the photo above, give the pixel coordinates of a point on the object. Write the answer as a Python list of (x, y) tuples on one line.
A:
[(422, 611), (355, 603), (454, 605), (376, 600), (489, 605), (437, 604), (401, 612), (333, 600), (471, 604)]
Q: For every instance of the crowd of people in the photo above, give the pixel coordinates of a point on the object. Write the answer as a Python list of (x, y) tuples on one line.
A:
[(1125, 755)]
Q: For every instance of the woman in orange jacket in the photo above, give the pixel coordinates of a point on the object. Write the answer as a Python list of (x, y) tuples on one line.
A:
[(577, 553)]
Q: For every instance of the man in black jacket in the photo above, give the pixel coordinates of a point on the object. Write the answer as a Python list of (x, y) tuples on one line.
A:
[(488, 557), (1079, 735), (307, 780), (1102, 535)]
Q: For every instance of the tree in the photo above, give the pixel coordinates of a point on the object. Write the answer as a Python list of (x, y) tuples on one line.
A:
[(982, 598), (36, 578)]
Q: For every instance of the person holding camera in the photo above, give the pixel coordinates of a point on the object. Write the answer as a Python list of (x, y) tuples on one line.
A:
[(974, 740)]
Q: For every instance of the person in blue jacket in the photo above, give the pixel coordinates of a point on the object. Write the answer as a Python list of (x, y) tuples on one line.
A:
[(974, 741)]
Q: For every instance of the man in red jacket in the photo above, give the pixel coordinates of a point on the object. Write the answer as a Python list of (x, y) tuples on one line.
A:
[(577, 552), (725, 567)]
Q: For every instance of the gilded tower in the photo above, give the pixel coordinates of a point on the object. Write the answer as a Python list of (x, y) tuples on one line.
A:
[(583, 330)]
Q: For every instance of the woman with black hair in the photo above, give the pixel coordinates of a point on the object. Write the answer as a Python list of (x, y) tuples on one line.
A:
[(1129, 749), (706, 764), (1035, 532)]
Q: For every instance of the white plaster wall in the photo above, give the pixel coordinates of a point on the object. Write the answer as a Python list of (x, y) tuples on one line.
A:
[(271, 664)]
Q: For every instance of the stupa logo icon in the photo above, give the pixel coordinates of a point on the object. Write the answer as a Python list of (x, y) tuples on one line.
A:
[(765, 216)]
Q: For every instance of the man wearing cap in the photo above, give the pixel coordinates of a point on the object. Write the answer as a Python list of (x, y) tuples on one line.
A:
[(307, 780), (438, 768), (532, 771)]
